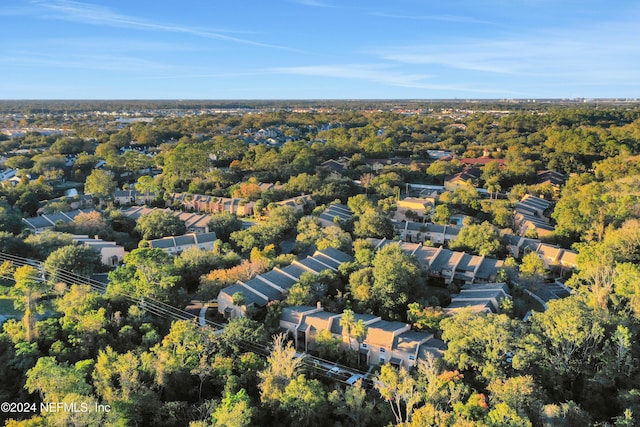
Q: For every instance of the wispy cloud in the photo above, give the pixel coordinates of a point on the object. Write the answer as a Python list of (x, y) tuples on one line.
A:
[(486, 56), (443, 18), (87, 13), (381, 74), (112, 63), (103, 44), (589, 54)]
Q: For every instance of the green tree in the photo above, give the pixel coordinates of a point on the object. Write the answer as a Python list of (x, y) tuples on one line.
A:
[(304, 401), (361, 285), (223, 224), (519, 393), (396, 277), (194, 262), (43, 244), (327, 345), (124, 382), (80, 260), (70, 145), (425, 318), (532, 269), (148, 186), (482, 239), (482, 343), (54, 381), (311, 232), (334, 237), (83, 166), (571, 333), (399, 389), (359, 204), (235, 410), (14, 245), (309, 289), (160, 223), (359, 332), (84, 318), (282, 367), (441, 214), (353, 403), (18, 162), (373, 223), (100, 184), (442, 168), (238, 333), (180, 354), (627, 285), (146, 272), (9, 219), (28, 290), (347, 322)]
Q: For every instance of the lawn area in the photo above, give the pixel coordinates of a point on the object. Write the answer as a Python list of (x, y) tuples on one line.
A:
[(6, 307)]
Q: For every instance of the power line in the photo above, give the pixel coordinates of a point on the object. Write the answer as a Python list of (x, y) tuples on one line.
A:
[(169, 312)]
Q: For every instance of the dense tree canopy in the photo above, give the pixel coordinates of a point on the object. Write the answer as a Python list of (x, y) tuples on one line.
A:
[(160, 223), (576, 363)]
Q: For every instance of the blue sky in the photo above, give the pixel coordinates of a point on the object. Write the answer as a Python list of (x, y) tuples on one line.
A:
[(319, 49)]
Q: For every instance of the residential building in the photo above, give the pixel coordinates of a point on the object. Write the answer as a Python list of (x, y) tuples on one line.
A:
[(48, 221), (417, 232), (533, 213), (132, 197), (274, 285), (337, 166), (212, 204), (194, 222), (174, 245), (451, 266), (551, 177), (421, 206), (336, 210), (7, 174), (299, 204), (556, 259), (384, 342), (111, 253), (524, 224), (484, 298), (467, 178)]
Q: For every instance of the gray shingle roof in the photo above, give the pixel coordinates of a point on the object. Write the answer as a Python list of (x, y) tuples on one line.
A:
[(185, 240), (249, 297), (206, 237), (336, 254), (326, 260), (269, 291), (279, 279), (294, 270), (312, 264), (488, 268), (37, 222), (164, 243)]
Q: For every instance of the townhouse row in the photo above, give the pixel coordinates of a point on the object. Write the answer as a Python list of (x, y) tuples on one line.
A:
[(555, 258), (383, 342), (451, 266), (235, 205), (274, 285)]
